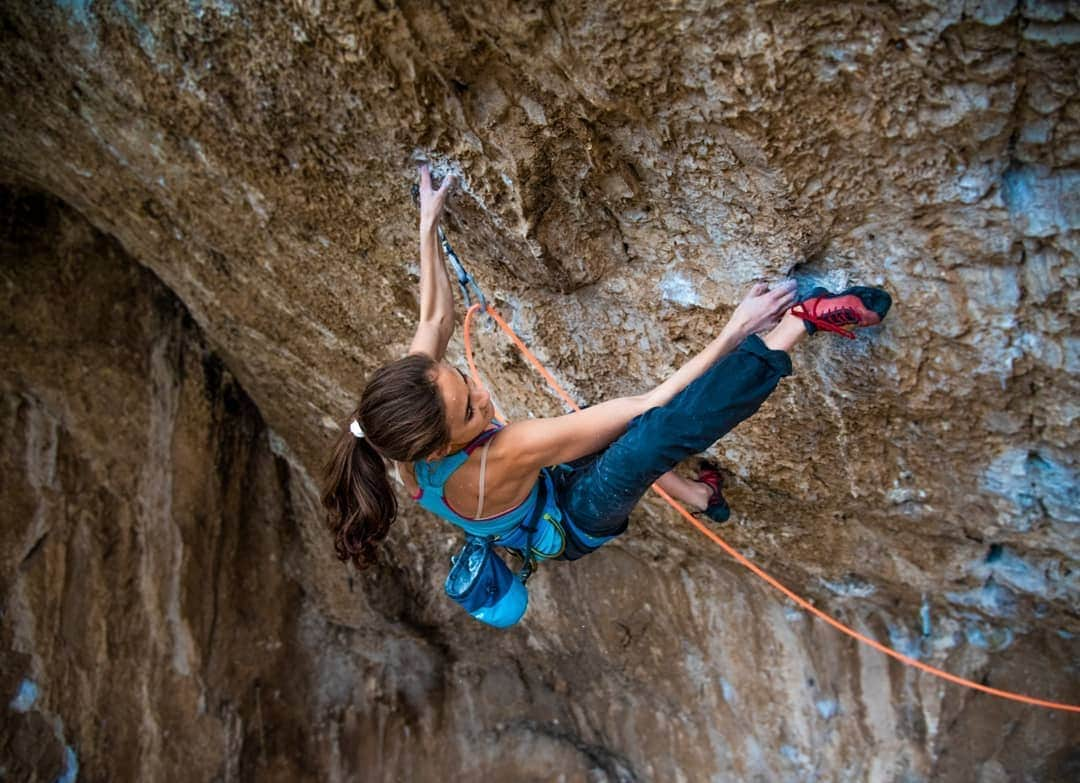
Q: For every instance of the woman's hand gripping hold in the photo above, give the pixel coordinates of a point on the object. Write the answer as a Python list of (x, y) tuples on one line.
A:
[(436, 324), (763, 307), (432, 202)]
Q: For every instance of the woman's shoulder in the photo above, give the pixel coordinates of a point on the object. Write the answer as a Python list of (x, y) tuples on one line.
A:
[(510, 456)]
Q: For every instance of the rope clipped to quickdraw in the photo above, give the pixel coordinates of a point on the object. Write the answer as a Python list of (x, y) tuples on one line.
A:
[(464, 279), (730, 550)]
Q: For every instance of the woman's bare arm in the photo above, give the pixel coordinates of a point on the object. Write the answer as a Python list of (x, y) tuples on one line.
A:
[(436, 324), (761, 309), (533, 443)]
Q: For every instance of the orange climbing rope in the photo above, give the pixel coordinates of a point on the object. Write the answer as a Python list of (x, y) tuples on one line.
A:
[(802, 602)]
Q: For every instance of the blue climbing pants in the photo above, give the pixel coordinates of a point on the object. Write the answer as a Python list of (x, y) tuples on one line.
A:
[(598, 492)]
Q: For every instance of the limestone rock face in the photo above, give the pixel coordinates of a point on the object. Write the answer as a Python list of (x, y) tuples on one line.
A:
[(172, 606), (150, 620)]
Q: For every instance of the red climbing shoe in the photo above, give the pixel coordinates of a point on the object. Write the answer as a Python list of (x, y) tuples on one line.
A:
[(844, 312), (717, 509)]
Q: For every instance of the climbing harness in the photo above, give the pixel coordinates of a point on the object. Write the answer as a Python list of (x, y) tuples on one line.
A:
[(482, 584), (479, 580), (735, 554)]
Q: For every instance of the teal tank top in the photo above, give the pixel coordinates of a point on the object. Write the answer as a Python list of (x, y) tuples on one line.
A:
[(504, 529)]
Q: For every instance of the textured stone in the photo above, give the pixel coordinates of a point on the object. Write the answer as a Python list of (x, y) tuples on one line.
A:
[(627, 171), (149, 619)]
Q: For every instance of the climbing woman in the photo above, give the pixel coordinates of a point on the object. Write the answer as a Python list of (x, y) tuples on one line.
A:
[(557, 487)]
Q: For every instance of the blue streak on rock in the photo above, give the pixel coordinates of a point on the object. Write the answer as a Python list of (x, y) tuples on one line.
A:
[(837, 54), (728, 690), (1036, 132), (1043, 10), (991, 12), (827, 708), (924, 618), (850, 586), (1042, 202), (223, 7), (1033, 481), (904, 642), (147, 42), (1060, 489), (25, 698), (1004, 565), (993, 599), (797, 758), (987, 637), (71, 766), (23, 702), (1053, 34), (78, 9)]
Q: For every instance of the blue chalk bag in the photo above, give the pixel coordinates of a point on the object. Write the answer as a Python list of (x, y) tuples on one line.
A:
[(485, 586)]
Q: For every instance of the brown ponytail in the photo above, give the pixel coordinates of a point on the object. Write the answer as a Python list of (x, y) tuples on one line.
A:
[(403, 418)]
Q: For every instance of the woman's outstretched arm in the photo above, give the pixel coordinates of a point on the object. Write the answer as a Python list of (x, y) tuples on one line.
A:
[(539, 442), (761, 309), (436, 296)]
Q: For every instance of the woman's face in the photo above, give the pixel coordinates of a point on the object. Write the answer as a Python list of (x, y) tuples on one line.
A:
[(469, 409)]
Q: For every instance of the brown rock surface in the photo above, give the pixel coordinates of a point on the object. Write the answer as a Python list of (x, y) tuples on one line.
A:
[(627, 171), (147, 529)]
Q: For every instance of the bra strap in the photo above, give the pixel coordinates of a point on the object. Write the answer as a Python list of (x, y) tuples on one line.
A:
[(483, 472)]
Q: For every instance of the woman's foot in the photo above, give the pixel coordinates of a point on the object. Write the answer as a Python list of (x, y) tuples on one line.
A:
[(715, 507), (844, 312)]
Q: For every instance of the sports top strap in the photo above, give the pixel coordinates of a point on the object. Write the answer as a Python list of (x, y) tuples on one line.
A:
[(435, 473), (483, 472)]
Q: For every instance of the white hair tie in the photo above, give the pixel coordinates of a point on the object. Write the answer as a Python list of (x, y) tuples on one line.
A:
[(355, 429)]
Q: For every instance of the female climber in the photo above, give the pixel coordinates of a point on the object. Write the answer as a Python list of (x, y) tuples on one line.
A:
[(555, 487)]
